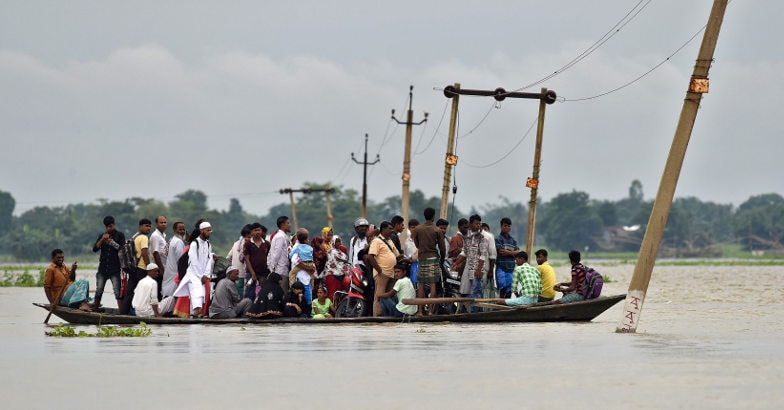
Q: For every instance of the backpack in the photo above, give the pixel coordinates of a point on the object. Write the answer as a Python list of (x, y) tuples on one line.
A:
[(219, 269), (592, 287), (183, 262), (127, 255)]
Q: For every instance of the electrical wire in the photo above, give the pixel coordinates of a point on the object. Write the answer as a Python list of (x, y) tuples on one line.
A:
[(642, 75), (495, 104), (508, 153), (634, 12), (443, 115)]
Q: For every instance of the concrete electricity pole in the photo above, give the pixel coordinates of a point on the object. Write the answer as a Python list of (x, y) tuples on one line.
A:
[(649, 247), (365, 164), (307, 191), (451, 159), (406, 177), (545, 97)]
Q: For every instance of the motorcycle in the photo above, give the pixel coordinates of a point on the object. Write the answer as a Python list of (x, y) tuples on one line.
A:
[(448, 288), (352, 302)]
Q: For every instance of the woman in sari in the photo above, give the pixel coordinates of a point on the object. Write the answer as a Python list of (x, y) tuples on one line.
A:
[(336, 268)]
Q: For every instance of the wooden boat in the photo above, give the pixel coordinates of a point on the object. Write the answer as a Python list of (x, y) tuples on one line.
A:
[(583, 311)]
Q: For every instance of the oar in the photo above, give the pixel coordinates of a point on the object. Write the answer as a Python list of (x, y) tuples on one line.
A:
[(437, 301), (54, 305)]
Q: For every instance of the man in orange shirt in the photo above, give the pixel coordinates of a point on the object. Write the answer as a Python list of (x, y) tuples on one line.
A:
[(61, 286)]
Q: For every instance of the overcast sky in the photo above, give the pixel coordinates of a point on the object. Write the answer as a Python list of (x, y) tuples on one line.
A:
[(105, 99)]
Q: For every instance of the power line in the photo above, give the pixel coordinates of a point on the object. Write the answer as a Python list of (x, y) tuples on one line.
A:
[(508, 153), (595, 46), (435, 132), (644, 74)]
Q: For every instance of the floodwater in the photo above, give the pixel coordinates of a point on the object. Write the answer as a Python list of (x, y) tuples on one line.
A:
[(708, 337)]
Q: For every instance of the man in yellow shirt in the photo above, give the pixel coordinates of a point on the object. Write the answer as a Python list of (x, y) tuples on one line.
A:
[(382, 256), (548, 276)]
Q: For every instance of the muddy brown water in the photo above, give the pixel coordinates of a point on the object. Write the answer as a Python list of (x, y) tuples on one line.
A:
[(709, 337)]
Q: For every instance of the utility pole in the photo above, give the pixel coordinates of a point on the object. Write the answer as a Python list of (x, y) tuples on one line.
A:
[(451, 159), (545, 97), (649, 248), (533, 182), (365, 164), (291, 192), (406, 177)]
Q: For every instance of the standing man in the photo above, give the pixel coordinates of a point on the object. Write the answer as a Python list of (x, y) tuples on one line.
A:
[(175, 250), (489, 278), (382, 256), (256, 251), (398, 225), (278, 259), (108, 243), (429, 240), (474, 255), (159, 251), (358, 241), (141, 245), (506, 247), (443, 224), (456, 246), (548, 276), (61, 286), (199, 268)]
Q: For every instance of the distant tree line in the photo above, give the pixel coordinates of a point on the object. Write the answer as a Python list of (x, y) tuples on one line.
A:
[(570, 220)]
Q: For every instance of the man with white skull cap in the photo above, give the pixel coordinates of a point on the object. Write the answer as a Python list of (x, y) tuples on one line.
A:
[(200, 263)]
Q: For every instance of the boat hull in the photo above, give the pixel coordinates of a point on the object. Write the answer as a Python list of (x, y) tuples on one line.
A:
[(583, 311)]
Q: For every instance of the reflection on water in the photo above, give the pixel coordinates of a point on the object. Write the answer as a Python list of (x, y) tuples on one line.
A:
[(705, 340)]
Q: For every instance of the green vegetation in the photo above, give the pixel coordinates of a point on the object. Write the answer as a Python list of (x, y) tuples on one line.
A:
[(11, 278), (64, 330)]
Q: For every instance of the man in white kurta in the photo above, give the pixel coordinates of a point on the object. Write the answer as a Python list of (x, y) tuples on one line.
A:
[(200, 262), (175, 249)]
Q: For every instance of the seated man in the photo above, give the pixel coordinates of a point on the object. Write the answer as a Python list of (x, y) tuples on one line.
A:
[(227, 302), (548, 276), (403, 289), (61, 286), (526, 283), (573, 291), (145, 295)]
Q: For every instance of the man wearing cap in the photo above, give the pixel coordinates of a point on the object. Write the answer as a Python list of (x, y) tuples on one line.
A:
[(359, 241), (199, 268), (145, 296), (227, 303)]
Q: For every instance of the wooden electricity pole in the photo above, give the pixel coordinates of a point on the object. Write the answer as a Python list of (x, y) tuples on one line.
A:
[(406, 177), (365, 164), (649, 247)]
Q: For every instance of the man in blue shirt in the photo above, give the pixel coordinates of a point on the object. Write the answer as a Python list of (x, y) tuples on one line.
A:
[(507, 248)]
